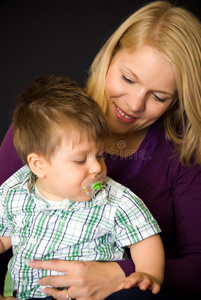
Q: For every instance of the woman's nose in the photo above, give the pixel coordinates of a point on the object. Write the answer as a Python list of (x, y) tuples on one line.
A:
[(136, 100)]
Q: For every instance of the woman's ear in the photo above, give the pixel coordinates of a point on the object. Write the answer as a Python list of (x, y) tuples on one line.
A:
[(36, 163)]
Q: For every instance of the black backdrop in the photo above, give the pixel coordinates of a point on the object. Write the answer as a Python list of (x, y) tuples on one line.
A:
[(60, 37)]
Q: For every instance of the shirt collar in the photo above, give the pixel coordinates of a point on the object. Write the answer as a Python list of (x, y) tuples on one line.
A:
[(66, 204)]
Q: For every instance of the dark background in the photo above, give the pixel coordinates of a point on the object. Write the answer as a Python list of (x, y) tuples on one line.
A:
[(60, 37)]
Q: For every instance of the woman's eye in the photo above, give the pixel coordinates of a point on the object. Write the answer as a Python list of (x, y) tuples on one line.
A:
[(126, 79), (158, 98)]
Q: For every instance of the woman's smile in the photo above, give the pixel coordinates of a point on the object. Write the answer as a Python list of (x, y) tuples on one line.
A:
[(123, 116)]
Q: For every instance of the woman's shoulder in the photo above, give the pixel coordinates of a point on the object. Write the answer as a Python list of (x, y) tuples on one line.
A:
[(155, 161), (9, 159)]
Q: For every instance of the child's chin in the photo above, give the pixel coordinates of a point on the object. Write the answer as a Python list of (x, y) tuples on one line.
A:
[(85, 198)]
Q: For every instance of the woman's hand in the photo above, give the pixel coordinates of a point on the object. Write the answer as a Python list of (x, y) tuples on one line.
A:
[(84, 280)]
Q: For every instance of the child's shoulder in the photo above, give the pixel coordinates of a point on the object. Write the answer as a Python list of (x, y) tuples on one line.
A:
[(17, 179), (116, 188), (111, 183), (120, 193)]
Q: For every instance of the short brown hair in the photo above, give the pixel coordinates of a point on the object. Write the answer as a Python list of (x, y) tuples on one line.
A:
[(51, 101)]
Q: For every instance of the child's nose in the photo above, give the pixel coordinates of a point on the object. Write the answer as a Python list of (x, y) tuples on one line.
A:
[(95, 167)]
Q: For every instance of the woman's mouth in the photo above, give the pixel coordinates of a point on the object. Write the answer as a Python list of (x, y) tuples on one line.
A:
[(122, 116)]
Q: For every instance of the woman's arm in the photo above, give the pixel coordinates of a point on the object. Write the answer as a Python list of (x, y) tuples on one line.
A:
[(184, 271), (9, 163), (9, 159)]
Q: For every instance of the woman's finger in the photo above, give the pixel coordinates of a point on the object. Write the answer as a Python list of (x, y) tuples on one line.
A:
[(55, 281), (57, 294), (52, 264)]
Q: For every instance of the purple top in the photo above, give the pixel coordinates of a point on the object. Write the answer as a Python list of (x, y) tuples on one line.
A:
[(171, 191)]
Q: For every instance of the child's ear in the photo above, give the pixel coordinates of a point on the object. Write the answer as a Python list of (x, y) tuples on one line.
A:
[(36, 163)]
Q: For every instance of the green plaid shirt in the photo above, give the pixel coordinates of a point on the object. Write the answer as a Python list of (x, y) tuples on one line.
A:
[(67, 230)]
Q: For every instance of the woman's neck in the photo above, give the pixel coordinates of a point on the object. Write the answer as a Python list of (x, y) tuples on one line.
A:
[(125, 144)]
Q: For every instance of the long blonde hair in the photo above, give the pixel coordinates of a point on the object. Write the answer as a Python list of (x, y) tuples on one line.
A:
[(176, 33)]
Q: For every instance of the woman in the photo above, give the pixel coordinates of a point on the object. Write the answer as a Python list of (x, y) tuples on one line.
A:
[(146, 78)]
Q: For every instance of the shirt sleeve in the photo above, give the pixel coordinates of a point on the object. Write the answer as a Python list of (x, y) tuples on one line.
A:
[(5, 225), (133, 221), (10, 162), (184, 271)]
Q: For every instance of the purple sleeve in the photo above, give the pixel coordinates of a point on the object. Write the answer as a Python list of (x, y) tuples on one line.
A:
[(127, 266), (184, 272), (9, 159)]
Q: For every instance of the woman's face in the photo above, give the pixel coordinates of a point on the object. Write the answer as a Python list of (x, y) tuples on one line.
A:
[(140, 86)]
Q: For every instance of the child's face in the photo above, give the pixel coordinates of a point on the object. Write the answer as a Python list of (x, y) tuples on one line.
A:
[(70, 166)]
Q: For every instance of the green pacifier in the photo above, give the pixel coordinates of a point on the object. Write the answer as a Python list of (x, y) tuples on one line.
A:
[(92, 186)]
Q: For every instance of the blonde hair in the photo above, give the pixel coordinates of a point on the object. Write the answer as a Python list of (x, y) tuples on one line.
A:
[(176, 33), (51, 103)]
